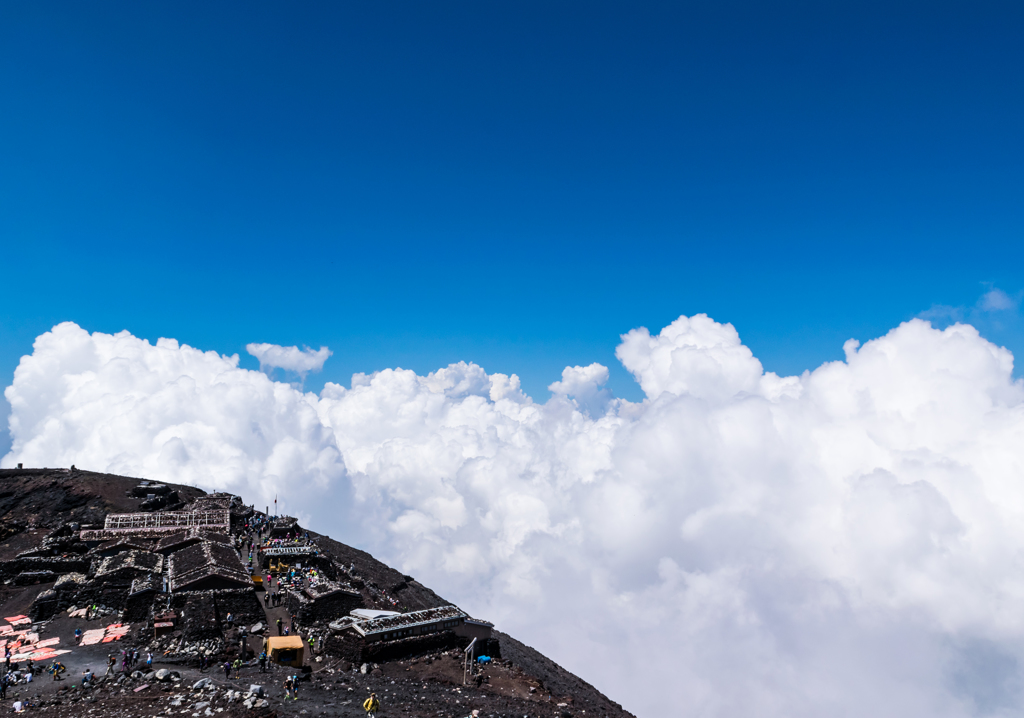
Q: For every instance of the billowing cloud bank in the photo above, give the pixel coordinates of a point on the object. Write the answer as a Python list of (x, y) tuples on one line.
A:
[(844, 543)]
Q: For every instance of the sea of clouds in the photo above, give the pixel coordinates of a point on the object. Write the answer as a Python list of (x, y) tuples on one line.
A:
[(848, 542)]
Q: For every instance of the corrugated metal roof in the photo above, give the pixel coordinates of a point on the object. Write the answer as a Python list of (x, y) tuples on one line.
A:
[(386, 624)]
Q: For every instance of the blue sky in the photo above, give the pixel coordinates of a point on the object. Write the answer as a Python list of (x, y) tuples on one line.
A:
[(516, 185)]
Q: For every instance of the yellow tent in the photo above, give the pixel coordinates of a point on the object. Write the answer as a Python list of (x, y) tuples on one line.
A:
[(287, 650)]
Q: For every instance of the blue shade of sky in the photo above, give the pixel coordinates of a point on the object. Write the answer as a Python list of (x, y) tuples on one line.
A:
[(513, 184)]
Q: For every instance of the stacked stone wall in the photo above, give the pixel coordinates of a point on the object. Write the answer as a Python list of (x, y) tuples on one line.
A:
[(349, 646), (241, 603), (56, 564)]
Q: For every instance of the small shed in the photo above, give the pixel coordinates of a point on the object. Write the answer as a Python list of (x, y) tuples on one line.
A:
[(286, 650), (207, 566), (284, 525), (129, 565), (322, 602)]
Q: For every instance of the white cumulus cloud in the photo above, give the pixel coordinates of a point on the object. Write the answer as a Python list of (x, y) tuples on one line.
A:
[(843, 543), (120, 404), (300, 361), (584, 384)]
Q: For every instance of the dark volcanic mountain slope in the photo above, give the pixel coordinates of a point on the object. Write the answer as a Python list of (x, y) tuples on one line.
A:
[(41, 498), (184, 580)]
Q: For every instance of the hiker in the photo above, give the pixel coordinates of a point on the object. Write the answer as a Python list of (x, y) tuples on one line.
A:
[(279, 622), (263, 662), (149, 660), (111, 662), (266, 599), (87, 677), (227, 670), (204, 662), (3, 688), (287, 687), (371, 705), (230, 620), (237, 666), (78, 635)]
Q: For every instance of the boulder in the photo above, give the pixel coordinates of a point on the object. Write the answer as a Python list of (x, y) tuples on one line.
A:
[(200, 684), (163, 675), (256, 690), (257, 628)]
